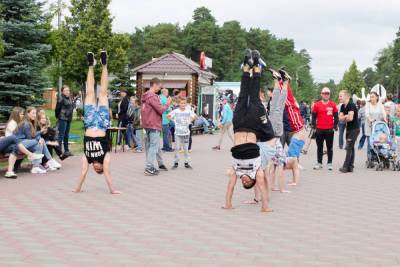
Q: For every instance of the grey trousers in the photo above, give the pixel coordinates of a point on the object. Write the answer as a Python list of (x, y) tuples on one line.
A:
[(182, 143)]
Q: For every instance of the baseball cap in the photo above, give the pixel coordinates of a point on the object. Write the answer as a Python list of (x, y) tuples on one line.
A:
[(325, 90)]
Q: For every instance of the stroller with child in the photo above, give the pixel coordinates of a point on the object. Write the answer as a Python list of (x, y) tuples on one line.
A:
[(382, 148)]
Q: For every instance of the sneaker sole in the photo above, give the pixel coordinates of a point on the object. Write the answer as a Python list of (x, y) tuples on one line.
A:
[(150, 174)]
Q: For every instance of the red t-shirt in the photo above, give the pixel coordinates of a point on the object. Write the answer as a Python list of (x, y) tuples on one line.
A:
[(324, 112)]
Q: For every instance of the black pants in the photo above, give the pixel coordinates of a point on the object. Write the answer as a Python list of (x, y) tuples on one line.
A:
[(190, 137), (351, 138), (123, 124), (250, 114), (320, 137)]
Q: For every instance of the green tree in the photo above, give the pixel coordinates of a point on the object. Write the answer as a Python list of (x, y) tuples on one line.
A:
[(352, 80), (25, 28), (1, 45), (370, 77), (154, 41), (202, 35), (88, 28), (396, 62), (232, 43)]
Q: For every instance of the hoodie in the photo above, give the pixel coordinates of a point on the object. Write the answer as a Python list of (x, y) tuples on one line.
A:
[(152, 111)]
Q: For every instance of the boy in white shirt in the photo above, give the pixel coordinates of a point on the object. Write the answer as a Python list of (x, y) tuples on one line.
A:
[(182, 117)]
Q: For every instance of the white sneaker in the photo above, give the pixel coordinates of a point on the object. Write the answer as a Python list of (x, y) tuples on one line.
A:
[(330, 167), (37, 170), (317, 166), (11, 175), (34, 156), (55, 164)]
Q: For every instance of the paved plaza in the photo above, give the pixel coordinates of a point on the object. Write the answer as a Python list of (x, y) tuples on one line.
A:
[(175, 219)]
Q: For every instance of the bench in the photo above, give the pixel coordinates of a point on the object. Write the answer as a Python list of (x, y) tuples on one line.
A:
[(199, 129), (4, 157)]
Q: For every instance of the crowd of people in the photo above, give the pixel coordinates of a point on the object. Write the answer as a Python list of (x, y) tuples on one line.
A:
[(259, 127), (29, 132), (262, 128)]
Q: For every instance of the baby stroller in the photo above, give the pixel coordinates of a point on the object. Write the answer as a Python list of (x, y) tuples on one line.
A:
[(383, 154)]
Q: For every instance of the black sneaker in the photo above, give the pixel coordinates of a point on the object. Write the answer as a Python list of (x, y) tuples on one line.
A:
[(90, 59), (150, 172), (175, 166), (275, 75), (285, 76), (163, 168), (187, 166), (103, 58), (64, 156), (256, 57), (248, 60)]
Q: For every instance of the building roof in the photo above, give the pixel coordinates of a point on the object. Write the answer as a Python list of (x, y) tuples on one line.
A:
[(174, 63)]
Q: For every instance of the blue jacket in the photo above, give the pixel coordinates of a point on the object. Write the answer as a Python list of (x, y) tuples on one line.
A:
[(227, 114), (24, 132), (165, 120)]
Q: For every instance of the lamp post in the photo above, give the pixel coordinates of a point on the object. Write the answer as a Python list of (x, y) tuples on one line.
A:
[(297, 76), (59, 62)]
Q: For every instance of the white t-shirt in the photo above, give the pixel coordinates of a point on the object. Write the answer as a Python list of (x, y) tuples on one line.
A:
[(182, 120), (11, 127)]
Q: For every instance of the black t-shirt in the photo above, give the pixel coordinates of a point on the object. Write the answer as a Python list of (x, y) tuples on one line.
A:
[(95, 148), (345, 109)]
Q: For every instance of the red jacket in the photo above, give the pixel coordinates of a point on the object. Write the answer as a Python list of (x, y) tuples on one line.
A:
[(293, 111), (152, 111)]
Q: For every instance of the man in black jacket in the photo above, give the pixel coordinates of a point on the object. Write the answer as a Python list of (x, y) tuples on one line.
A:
[(64, 111), (122, 115)]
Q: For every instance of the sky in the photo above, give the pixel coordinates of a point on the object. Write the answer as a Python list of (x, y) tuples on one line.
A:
[(333, 32)]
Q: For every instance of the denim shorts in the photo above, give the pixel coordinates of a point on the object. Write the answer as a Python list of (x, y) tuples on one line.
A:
[(97, 117), (295, 147), (267, 152)]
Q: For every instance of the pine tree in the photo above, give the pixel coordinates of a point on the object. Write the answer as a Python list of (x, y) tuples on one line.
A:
[(24, 28), (352, 80)]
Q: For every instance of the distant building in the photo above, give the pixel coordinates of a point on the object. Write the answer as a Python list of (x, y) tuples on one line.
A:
[(176, 72)]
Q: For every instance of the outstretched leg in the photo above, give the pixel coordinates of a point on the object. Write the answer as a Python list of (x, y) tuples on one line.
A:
[(103, 99), (90, 98)]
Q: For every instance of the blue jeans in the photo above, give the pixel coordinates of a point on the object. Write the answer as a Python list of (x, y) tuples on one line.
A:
[(8, 143), (342, 127), (138, 137), (203, 123), (363, 137), (130, 133), (369, 147), (166, 137), (63, 134), (152, 145), (33, 146)]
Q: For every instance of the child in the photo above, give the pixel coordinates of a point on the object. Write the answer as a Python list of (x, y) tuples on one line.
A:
[(182, 117)]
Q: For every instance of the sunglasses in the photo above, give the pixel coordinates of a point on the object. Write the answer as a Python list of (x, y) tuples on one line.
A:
[(325, 93)]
